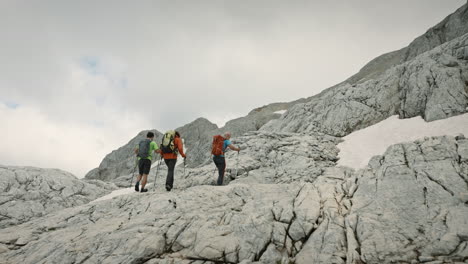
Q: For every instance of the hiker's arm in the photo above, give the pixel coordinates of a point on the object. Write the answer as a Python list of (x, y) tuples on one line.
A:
[(180, 147), (233, 147)]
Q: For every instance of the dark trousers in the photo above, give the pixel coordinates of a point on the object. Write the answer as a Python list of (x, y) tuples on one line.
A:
[(220, 163), (170, 172)]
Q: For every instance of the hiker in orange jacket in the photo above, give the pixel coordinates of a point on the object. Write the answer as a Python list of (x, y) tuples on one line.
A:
[(171, 159)]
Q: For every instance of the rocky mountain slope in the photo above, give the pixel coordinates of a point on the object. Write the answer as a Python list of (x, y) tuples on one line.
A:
[(453, 26), (428, 78), (121, 161), (197, 136), (28, 193), (433, 85), (408, 206)]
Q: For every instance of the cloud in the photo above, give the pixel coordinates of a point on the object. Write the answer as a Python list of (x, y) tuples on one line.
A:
[(30, 138)]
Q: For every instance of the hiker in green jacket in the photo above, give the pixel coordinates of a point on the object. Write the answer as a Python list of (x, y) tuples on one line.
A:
[(144, 151)]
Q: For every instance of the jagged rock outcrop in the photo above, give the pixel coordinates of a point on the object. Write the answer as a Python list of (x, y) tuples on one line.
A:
[(269, 158), (433, 85), (264, 158), (121, 161), (453, 26), (411, 204), (29, 193), (408, 206), (197, 137), (119, 165)]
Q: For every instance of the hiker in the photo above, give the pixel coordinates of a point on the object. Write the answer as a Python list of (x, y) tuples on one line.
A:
[(171, 145), (220, 144), (144, 151)]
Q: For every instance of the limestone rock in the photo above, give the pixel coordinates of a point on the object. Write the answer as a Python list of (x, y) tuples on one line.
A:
[(121, 161), (433, 85), (408, 207), (268, 158), (29, 193), (119, 165), (404, 208)]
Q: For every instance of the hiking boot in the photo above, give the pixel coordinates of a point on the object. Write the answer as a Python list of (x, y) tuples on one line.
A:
[(144, 190), (137, 187), (168, 188)]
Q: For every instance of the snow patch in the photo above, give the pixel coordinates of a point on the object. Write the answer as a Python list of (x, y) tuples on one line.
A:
[(115, 194), (360, 146), (280, 112)]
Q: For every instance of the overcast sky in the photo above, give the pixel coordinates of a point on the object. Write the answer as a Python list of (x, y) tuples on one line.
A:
[(79, 79)]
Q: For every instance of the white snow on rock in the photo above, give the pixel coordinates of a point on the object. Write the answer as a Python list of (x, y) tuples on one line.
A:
[(359, 147), (280, 112), (115, 194)]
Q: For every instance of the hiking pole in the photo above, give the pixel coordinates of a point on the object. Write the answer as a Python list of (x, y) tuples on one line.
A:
[(133, 174), (157, 170), (237, 163), (184, 167)]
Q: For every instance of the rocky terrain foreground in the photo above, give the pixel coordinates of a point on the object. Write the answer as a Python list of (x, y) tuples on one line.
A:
[(408, 206), (28, 192)]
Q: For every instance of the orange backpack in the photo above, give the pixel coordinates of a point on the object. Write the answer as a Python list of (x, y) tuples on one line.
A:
[(217, 146)]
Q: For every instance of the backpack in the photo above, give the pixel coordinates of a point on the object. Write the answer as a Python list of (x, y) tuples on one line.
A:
[(167, 144), (144, 148), (217, 145)]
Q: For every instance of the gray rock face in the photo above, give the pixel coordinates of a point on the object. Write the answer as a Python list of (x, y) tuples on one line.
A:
[(453, 26), (433, 85), (121, 161), (268, 158), (119, 165), (264, 158), (198, 135), (28, 193), (408, 206)]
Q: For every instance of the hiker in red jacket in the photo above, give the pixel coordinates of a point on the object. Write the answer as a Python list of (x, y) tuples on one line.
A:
[(220, 144), (169, 154)]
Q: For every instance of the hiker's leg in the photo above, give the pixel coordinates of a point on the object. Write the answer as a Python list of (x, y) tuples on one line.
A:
[(223, 170), (221, 165), (140, 174), (143, 181), (146, 169), (141, 169), (170, 172)]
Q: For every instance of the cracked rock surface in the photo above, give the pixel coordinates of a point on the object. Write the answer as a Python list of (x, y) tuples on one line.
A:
[(264, 158), (408, 206), (269, 158), (28, 193), (411, 204)]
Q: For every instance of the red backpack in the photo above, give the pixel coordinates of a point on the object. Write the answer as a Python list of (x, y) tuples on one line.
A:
[(217, 146)]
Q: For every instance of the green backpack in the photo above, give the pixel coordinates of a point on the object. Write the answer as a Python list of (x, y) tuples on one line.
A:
[(167, 144)]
